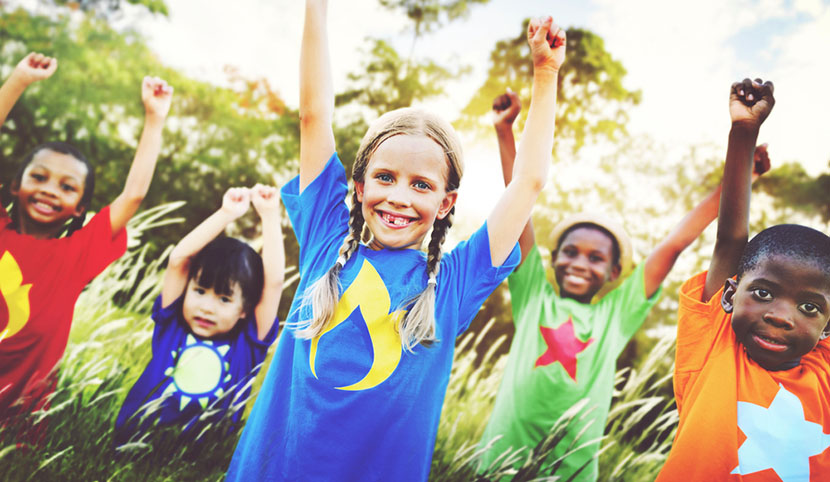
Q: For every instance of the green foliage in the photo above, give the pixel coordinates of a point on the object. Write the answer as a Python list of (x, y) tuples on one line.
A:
[(107, 7), (428, 15), (214, 138), (386, 81), (792, 187), (592, 100)]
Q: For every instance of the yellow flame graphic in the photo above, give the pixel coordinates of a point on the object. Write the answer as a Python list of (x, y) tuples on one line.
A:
[(369, 293), (15, 293)]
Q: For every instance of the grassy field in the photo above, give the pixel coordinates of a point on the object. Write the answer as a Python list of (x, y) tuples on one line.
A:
[(110, 345)]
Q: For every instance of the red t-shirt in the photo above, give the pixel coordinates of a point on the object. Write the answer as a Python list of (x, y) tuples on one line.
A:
[(40, 280), (739, 421)]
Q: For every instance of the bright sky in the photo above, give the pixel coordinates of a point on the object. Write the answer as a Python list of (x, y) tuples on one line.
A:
[(682, 55)]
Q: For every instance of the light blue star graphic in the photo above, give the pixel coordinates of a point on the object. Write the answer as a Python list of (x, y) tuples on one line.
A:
[(778, 438)]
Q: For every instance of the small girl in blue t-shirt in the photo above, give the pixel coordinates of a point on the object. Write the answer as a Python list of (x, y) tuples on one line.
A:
[(214, 321)]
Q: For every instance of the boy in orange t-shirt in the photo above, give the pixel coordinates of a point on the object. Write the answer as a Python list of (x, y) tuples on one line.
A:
[(752, 377)]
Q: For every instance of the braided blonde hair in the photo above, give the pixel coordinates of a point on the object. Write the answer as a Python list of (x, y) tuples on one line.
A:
[(418, 326)]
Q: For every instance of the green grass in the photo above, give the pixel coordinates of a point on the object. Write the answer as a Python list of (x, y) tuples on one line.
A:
[(110, 345)]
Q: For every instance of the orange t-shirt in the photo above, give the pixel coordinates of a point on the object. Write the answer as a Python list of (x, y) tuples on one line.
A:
[(739, 421)]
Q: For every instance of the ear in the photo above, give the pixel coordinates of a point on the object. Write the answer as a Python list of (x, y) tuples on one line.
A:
[(79, 209), (615, 273), (730, 287), (447, 203), (358, 189)]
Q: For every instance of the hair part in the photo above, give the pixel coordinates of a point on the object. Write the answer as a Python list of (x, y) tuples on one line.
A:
[(418, 326), (225, 261), (89, 183), (791, 240), (615, 244)]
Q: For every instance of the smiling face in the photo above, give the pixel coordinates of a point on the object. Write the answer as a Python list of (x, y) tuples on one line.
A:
[(404, 190), (49, 192), (209, 313), (584, 263), (779, 310)]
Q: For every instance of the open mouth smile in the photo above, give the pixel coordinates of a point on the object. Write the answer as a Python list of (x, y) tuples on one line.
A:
[(394, 220), (769, 343), (573, 279), (43, 207)]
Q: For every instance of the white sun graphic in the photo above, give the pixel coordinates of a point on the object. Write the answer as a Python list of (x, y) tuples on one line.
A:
[(199, 373)]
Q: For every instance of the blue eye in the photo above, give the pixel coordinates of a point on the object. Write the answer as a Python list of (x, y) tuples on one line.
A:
[(383, 177), (422, 185)]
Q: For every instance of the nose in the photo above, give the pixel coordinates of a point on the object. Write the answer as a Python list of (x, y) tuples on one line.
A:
[(580, 263), (49, 189), (779, 316), (399, 195)]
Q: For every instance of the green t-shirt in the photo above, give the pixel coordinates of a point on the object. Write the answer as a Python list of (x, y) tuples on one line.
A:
[(563, 351)]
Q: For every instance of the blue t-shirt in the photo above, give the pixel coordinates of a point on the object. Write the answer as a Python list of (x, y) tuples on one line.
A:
[(351, 404), (189, 376)]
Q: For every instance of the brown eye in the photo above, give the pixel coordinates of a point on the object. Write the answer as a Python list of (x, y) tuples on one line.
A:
[(809, 308), (762, 294)]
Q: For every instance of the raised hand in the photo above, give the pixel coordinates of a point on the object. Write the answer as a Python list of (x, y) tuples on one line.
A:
[(156, 96), (236, 201), (750, 102), (506, 108), (266, 199), (761, 163), (547, 43), (35, 67)]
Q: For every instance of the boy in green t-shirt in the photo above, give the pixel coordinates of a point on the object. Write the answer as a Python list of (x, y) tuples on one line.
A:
[(567, 342)]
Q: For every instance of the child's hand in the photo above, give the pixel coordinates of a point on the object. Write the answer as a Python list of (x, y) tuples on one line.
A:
[(750, 102), (35, 67), (156, 96), (547, 44), (761, 161), (266, 199), (506, 108), (236, 201)]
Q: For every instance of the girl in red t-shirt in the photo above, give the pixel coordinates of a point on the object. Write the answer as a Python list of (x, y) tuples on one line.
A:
[(42, 272)]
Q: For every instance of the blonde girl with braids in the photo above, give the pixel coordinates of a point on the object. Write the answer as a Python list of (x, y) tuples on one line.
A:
[(358, 379)]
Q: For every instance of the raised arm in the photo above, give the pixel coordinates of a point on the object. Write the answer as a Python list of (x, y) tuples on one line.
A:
[(661, 260), (316, 94), (32, 68), (156, 96), (750, 102), (266, 201), (510, 216), (234, 204), (506, 108)]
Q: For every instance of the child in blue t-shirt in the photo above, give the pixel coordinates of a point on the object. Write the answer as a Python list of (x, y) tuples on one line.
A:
[(214, 321), (357, 383)]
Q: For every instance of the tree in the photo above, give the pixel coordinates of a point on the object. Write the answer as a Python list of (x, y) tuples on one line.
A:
[(792, 187), (592, 100)]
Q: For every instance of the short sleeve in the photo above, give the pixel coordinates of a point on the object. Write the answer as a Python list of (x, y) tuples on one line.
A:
[(528, 283), (95, 247), (471, 274), (631, 303), (167, 314), (319, 215), (251, 332), (698, 324)]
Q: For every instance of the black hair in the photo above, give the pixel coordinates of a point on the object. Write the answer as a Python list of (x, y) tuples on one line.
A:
[(225, 261), (89, 183), (791, 240), (615, 245)]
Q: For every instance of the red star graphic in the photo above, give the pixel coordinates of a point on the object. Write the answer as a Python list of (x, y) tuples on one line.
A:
[(563, 346)]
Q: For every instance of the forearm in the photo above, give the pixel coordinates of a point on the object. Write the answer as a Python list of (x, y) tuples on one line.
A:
[(316, 94), (273, 260), (733, 212), (533, 155), (10, 92), (507, 150), (201, 235)]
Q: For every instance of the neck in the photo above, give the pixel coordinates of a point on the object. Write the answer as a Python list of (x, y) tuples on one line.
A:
[(24, 225)]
